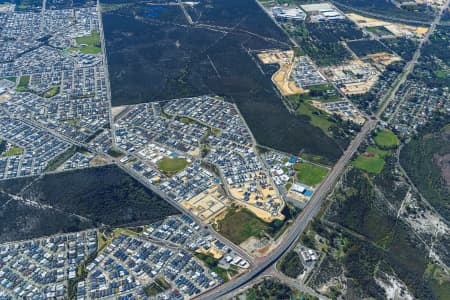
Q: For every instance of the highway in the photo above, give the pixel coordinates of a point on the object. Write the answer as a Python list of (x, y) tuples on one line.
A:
[(316, 202), (410, 65), (188, 17), (106, 69), (381, 16), (273, 273), (309, 212)]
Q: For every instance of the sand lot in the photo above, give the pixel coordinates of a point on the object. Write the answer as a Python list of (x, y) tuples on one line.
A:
[(395, 28), (281, 78)]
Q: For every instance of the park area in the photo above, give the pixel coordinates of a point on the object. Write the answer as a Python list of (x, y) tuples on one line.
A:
[(310, 174), (240, 224), (172, 165), (53, 91), (23, 83), (372, 160), (317, 117), (156, 287), (12, 151), (89, 44), (386, 139)]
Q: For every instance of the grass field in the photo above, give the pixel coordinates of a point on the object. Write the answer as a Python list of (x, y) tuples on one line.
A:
[(89, 44), (441, 74), (73, 122), (213, 265), (316, 159), (186, 120), (58, 160), (379, 30), (158, 286), (288, 186), (376, 151), (125, 231), (115, 152), (240, 224), (215, 131), (310, 174), (102, 241), (323, 93), (371, 161), (172, 165), (51, 92), (439, 281), (23, 83), (386, 139), (13, 151), (321, 87), (316, 116)]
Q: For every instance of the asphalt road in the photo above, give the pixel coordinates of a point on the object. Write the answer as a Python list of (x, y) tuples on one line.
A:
[(309, 212), (381, 16), (410, 65), (177, 205), (316, 202)]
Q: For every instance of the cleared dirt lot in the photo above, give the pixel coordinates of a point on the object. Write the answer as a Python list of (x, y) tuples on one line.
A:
[(281, 78), (395, 28)]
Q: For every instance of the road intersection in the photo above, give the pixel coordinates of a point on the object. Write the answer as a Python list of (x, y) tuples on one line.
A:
[(319, 198), (266, 265)]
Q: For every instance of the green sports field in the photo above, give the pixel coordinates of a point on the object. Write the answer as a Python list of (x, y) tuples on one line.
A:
[(372, 160), (172, 165), (369, 164), (310, 174), (386, 139), (89, 44)]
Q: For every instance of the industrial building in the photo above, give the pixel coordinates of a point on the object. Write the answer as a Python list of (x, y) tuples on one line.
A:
[(288, 13)]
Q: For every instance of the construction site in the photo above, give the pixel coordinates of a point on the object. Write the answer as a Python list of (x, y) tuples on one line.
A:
[(282, 77), (295, 74), (353, 78), (382, 59), (395, 29), (345, 109), (208, 204)]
